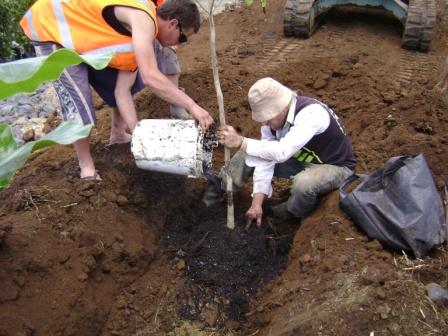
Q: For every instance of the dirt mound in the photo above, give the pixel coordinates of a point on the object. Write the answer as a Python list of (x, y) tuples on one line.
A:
[(87, 258)]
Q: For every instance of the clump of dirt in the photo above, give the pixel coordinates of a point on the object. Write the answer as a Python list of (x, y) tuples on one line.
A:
[(225, 267)]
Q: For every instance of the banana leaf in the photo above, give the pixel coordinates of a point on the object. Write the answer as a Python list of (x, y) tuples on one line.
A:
[(26, 75), (12, 158)]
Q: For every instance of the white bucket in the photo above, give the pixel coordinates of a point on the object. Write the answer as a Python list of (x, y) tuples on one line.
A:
[(171, 146)]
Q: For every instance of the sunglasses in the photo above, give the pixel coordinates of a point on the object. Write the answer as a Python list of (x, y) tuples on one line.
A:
[(182, 37)]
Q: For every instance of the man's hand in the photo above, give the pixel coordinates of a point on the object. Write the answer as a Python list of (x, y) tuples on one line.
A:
[(254, 214), (228, 137), (202, 116)]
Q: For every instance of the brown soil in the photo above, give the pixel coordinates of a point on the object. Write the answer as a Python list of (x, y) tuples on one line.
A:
[(137, 254)]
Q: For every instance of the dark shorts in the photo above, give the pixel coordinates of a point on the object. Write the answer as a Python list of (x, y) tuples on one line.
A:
[(73, 87), (103, 81)]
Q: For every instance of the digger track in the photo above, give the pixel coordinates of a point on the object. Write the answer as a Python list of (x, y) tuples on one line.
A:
[(299, 18), (420, 22)]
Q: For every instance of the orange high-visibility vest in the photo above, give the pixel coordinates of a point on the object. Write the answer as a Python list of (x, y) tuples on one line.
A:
[(79, 25)]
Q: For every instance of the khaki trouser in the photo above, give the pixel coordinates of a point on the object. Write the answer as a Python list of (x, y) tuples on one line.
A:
[(309, 181)]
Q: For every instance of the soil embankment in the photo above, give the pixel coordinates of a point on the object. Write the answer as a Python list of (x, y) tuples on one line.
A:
[(137, 254)]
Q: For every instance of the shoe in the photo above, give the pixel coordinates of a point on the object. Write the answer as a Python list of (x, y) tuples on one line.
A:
[(213, 191), (279, 213)]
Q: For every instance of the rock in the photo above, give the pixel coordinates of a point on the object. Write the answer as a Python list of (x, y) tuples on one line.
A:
[(384, 311), (437, 293), (82, 276), (28, 135), (373, 276), (210, 315), (233, 325), (381, 294), (320, 83), (9, 291), (109, 195), (181, 264), (122, 200)]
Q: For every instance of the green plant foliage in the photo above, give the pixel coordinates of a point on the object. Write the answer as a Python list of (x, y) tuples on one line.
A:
[(26, 75), (11, 12), (263, 2), (12, 157)]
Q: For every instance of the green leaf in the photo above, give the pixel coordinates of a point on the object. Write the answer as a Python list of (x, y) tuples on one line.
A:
[(249, 2), (13, 158), (27, 74)]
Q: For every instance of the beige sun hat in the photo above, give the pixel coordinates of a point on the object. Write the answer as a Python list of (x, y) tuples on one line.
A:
[(267, 98)]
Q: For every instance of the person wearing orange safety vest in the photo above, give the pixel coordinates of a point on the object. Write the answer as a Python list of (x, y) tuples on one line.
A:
[(135, 32)]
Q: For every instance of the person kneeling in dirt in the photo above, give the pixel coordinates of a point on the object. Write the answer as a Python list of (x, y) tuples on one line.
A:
[(301, 139)]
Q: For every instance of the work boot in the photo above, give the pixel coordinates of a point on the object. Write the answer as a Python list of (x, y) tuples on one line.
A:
[(211, 195), (214, 190), (178, 112), (279, 213)]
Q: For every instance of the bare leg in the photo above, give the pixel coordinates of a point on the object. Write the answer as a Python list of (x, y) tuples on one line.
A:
[(82, 148), (119, 127)]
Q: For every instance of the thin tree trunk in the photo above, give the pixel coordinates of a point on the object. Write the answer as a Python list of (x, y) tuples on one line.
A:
[(222, 117)]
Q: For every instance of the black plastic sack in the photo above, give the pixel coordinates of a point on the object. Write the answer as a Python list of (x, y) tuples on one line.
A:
[(398, 205)]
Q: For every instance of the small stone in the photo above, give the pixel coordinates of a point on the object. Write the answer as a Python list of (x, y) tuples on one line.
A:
[(28, 135), (394, 328), (320, 83), (381, 294), (181, 264), (121, 302), (82, 276), (110, 196), (305, 259), (210, 315), (122, 200), (384, 311), (20, 280), (9, 292), (437, 293), (233, 325)]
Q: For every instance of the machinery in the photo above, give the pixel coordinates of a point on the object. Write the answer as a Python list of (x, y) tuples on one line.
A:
[(418, 17)]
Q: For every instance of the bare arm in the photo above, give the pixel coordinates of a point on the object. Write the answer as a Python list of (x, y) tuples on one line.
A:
[(143, 36)]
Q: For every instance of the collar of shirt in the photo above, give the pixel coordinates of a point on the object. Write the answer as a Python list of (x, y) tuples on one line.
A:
[(289, 119)]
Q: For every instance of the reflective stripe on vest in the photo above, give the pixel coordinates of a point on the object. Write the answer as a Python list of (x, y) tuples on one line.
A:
[(117, 48), (64, 29), (29, 19), (307, 156)]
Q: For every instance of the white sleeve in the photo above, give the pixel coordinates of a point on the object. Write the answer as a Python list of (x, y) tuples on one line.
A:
[(310, 121)]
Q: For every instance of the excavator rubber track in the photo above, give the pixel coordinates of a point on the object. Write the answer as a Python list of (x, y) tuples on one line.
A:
[(299, 18), (420, 22)]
